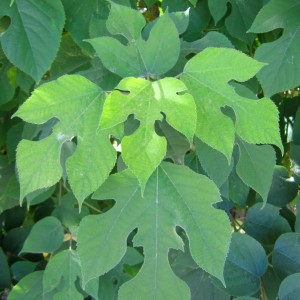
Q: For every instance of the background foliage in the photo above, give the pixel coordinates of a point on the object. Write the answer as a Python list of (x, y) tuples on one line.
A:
[(153, 147)]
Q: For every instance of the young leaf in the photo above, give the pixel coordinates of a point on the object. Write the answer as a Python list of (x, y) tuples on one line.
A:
[(35, 28), (174, 196), (77, 104), (207, 75), (286, 59), (47, 235), (217, 8), (64, 265), (155, 56), (143, 150)]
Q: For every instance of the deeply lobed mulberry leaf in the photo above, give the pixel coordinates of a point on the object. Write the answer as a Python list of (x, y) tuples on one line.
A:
[(174, 196), (77, 104), (207, 76), (144, 149)]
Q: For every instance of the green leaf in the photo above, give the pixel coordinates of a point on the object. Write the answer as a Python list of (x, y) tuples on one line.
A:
[(296, 128), (286, 254), (143, 150), (5, 281), (283, 188), (79, 15), (15, 238), (28, 288), (290, 288), (295, 160), (179, 18), (198, 280), (211, 39), (69, 58), (24, 81), (125, 26), (213, 162), (271, 283), (194, 2), (39, 196), (77, 104), (68, 212), (256, 166), (245, 298), (242, 13), (265, 224), (245, 265), (199, 18), (98, 74), (47, 235), (207, 75), (106, 286), (217, 8), (297, 223), (6, 88), (64, 266), (9, 187), (20, 269), (138, 57), (177, 144), (285, 60), (234, 189), (35, 28), (174, 196)]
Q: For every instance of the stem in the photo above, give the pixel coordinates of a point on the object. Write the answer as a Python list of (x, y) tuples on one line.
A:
[(92, 207), (70, 241), (60, 192), (263, 292)]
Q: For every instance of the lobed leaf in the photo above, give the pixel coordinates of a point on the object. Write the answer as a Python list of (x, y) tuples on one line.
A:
[(243, 13), (77, 104), (143, 150), (28, 288), (207, 75), (64, 266), (138, 57), (174, 196), (283, 67)]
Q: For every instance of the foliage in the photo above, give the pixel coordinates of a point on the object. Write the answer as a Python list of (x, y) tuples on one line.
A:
[(149, 149)]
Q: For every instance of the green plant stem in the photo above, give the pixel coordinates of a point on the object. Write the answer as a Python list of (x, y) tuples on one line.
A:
[(92, 207), (60, 192), (263, 292)]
